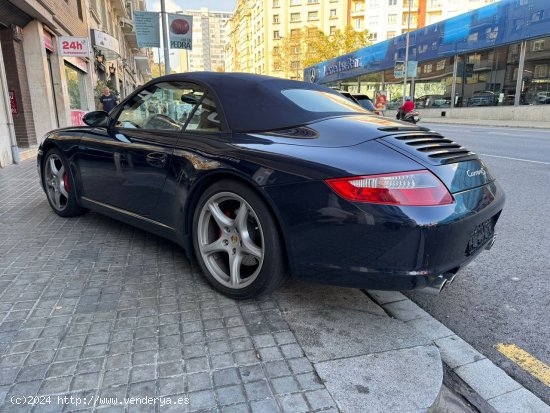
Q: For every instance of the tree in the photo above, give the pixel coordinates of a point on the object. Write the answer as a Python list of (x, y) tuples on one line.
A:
[(309, 46)]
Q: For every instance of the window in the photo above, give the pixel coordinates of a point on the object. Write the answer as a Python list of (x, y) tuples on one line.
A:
[(537, 45), (76, 87), (441, 65), (373, 37), (541, 71), (357, 23), (391, 35), (295, 2), (332, 13), (276, 3), (317, 101), (392, 18), (79, 9), (168, 106), (312, 1), (392, 2), (428, 68), (275, 18), (276, 35), (313, 15), (294, 17), (295, 65), (332, 30)]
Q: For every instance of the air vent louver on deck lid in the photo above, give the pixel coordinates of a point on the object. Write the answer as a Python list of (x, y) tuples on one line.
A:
[(433, 148)]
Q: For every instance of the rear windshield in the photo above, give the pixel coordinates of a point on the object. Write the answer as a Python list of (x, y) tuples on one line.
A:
[(365, 102), (319, 101)]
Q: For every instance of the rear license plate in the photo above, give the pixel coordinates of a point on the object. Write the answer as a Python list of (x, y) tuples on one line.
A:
[(480, 236)]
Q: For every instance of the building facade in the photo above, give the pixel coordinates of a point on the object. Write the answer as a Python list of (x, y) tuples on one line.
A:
[(489, 58), (385, 19), (210, 32), (45, 89), (259, 27)]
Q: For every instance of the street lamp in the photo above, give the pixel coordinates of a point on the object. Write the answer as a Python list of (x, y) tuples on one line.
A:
[(407, 53)]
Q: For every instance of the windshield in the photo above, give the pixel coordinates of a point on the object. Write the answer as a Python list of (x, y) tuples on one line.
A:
[(319, 101), (365, 102)]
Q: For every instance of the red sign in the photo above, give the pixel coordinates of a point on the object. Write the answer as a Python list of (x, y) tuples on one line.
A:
[(13, 103), (76, 117), (48, 43)]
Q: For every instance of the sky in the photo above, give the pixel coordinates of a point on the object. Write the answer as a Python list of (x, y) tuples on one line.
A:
[(175, 5)]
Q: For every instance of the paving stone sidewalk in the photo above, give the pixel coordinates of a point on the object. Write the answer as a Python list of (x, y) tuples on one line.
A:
[(95, 309)]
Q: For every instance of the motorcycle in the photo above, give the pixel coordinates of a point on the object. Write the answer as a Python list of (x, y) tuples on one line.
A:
[(412, 116)]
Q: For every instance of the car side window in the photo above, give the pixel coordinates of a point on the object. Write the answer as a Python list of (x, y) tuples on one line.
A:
[(205, 118), (162, 106)]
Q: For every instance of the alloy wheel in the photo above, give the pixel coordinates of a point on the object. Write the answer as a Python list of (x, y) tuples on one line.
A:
[(230, 240), (56, 179)]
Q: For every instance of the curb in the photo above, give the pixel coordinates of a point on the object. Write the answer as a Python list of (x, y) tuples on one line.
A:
[(487, 386)]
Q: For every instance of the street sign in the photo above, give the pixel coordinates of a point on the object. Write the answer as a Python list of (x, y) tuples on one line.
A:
[(399, 69), (412, 67), (181, 31), (73, 46), (147, 28)]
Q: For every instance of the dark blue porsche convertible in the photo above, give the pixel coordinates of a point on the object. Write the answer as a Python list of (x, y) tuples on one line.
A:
[(260, 177)]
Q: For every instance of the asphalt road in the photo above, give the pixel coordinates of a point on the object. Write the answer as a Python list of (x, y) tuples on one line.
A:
[(504, 295)]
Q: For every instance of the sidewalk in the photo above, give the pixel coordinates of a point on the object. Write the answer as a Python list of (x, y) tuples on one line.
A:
[(93, 311)]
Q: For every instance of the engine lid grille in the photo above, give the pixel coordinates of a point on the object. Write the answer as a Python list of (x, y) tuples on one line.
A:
[(432, 148)]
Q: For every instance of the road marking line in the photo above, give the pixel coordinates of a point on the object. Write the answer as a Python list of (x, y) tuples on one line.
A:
[(515, 159), (526, 361)]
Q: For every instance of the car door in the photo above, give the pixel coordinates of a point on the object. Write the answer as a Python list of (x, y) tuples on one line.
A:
[(203, 141), (125, 165)]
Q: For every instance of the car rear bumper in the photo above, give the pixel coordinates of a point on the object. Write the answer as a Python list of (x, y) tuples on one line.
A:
[(333, 241)]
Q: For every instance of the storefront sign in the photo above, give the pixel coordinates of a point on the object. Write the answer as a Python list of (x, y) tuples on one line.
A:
[(107, 44), (78, 63), (48, 42), (73, 46), (13, 103), (181, 31), (342, 66), (147, 28)]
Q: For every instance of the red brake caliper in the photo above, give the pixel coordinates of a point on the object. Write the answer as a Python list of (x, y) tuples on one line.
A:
[(66, 182)]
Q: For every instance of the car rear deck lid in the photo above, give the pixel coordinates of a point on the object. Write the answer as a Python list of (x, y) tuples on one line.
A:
[(431, 147)]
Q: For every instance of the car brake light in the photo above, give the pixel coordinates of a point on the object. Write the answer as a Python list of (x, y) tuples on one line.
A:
[(419, 188)]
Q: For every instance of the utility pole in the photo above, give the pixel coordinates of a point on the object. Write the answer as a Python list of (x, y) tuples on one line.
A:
[(406, 52), (164, 18)]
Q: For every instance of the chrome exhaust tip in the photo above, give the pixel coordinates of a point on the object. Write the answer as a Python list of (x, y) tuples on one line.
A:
[(437, 283)]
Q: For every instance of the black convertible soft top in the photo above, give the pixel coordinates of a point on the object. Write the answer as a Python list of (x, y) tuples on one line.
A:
[(255, 102)]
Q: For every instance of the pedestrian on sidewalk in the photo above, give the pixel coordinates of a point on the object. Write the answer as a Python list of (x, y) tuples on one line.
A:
[(108, 100)]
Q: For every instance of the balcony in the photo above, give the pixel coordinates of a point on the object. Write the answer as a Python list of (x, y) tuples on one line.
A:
[(358, 12), (127, 27), (119, 6)]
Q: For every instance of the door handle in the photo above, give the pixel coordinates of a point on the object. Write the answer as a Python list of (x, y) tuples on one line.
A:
[(156, 159)]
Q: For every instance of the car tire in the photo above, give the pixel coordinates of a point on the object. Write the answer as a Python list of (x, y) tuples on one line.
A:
[(59, 185), (236, 241)]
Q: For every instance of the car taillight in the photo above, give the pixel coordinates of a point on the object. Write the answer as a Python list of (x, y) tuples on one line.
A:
[(419, 188)]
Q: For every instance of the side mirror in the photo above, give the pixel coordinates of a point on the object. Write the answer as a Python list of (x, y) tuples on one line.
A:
[(189, 98), (98, 118)]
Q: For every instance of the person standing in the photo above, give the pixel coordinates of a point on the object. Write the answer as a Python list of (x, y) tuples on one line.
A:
[(108, 100)]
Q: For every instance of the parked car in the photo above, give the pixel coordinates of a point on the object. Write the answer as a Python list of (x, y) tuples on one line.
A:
[(483, 98), (432, 101), (365, 102), (266, 177), (543, 97)]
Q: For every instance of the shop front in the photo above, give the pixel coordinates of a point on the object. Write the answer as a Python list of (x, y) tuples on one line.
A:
[(498, 55)]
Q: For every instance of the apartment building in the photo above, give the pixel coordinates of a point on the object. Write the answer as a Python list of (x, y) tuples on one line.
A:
[(385, 19), (258, 28), (41, 89), (210, 33)]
